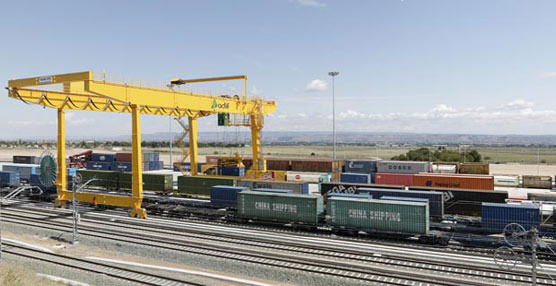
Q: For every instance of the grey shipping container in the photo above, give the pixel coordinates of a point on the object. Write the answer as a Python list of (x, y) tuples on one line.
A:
[(360, 167), (283, 208), (296, 187), (436, 201), (225, 196), (539, 182), (402, 167), (371, 215), (498, 216)]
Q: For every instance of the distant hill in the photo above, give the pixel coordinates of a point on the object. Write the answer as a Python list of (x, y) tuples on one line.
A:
[(381, 138)]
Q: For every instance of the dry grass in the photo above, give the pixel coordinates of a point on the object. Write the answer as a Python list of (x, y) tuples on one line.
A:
[(16, 275)]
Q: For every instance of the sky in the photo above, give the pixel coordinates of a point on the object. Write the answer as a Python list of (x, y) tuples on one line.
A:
[(481, 67)]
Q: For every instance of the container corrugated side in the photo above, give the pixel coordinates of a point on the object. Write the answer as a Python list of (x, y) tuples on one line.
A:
[(201, 185), (22, 159), (497, 216), (375, 215), (474, 168), (296, 187), (308, 177), (355, 178), (225, 196), (361, 167), (506, 180), (105, 179), (436, 199), (539, 182), (24, 170), (9, 179), (394, 179), (454, 181), (284, 208), (402, 167)]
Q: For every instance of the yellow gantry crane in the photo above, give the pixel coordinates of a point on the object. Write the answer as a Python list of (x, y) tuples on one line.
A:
[(91, 91)]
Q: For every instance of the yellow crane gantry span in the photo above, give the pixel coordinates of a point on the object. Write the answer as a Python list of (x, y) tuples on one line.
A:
[(87, 91)]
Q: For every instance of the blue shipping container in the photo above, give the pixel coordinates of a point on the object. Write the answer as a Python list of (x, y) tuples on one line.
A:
[(95, 165), (25, 170), (355, 178), (225, 196), (232, 171), (343, 195), (497, 216), (360, 167), (436, 202), (187, 166), (280, 191), (9, 179), (121, 166), (103, 157)]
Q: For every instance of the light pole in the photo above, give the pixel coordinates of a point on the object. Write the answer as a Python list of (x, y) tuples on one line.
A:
[(333, 75)]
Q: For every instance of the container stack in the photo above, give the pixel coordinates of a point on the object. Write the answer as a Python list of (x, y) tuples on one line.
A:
[(121, 162), (399, 172), (362, 167)]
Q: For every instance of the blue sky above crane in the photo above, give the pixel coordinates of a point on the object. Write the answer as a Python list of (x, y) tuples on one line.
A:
[(405, 66)]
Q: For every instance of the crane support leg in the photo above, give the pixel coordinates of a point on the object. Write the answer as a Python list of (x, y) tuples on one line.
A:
[(137, 165), (61, 180), (259, 165), (193, 156)]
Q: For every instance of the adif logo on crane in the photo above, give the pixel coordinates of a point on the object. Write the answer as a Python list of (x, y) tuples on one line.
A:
[(219, 105)]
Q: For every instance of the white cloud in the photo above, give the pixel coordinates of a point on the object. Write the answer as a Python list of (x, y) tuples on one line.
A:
[(317, 85), (256, 91), (311, 3), (518, 104), (441, 118), (548, 74)]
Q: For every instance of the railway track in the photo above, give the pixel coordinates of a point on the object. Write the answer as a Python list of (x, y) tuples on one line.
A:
[(316, 259), (121, 273), (452, 248)]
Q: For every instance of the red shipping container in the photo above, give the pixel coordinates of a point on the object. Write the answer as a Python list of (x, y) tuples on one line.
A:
[(394, 179), (473, 182), (123, 157)]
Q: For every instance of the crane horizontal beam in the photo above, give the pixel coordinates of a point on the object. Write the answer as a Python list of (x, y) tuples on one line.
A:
[(184, 81), (103, 95)]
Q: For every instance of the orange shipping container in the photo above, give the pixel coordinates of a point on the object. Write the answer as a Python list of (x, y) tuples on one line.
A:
[(454, 181)]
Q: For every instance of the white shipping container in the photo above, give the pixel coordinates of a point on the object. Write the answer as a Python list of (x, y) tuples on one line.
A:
[(292, 176), (506, 180), (444, 169)]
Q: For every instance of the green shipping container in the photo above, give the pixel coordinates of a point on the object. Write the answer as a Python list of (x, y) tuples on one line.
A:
[(378, 216), (279, 207), (151, 182), (201, 185), (105, 179)]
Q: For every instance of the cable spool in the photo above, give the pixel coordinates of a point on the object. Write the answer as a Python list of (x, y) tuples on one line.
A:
[(48, 169)]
